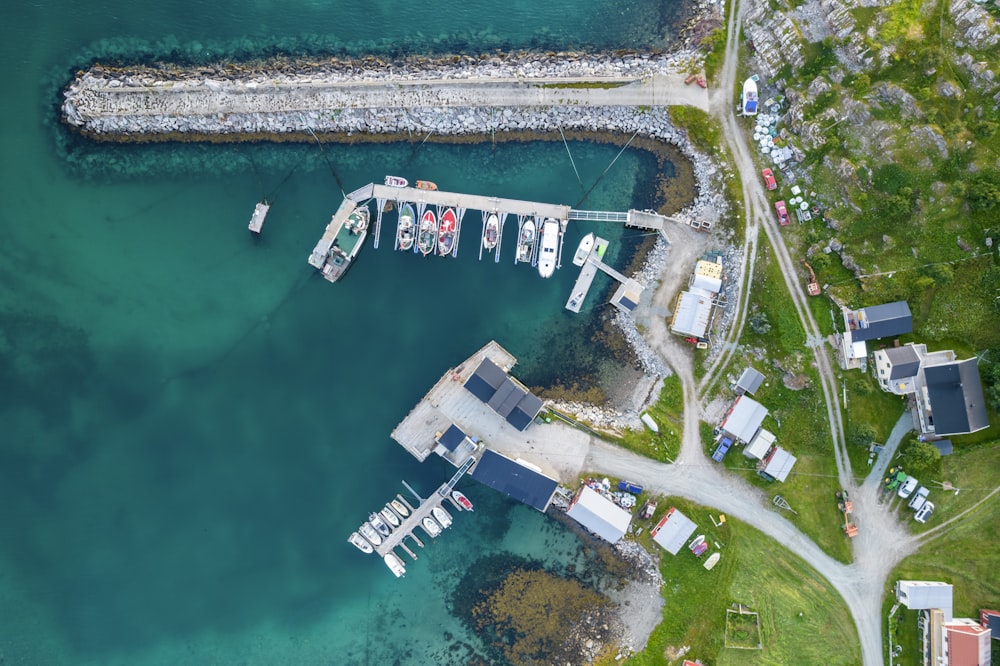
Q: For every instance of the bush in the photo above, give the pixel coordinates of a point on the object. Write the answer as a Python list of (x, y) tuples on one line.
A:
[(863, 434), (921, 458), (759, 323)]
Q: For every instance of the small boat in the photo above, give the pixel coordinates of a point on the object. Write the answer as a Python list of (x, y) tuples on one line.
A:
[(547, 252), (389, 517), (399, 508), (698, 541), (396, 181), (431, 527), (379, 524), (711, 561), (427, 235), (426, 185), (526, 241), (748, 101), (462, 500), (441, 516), (689, 80), (395, 564), (583, 251), (446, 232), (370, 533), (361, 543), (491, 232), (404, 228)]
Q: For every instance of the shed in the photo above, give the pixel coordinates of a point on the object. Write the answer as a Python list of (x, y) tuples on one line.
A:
[(599, 514), (749, 382), (514, 479), (882, 321), (923, 595), (759, 445), (778, 464), (943, 446), (991, 620), (692, 313), (454, 445), (673, 531), (744, 418)]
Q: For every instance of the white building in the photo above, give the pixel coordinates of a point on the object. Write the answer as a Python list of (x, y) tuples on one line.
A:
[(599, 514)]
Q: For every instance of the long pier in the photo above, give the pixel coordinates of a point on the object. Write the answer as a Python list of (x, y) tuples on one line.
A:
[(410, 523)]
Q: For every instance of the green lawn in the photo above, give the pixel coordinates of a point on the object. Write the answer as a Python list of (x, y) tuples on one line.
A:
[(802, 619), (668, 412)]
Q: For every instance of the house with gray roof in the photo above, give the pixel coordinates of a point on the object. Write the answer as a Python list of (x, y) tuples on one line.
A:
[(896, 368), (872, 323)]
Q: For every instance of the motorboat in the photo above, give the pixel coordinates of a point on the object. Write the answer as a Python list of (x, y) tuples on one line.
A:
[(442, 516), (431, 527), (526, 241), (426, 185), (370, 533), (396, 181), (399, 508), (748, 101), (404, 228), (446, 232), (547, 252), (346, 244), (462, 500), (389, 516), (358, 220), (379, 524), (491, 232), (583, 251), (361, 543), (395, 564), (427, 235)]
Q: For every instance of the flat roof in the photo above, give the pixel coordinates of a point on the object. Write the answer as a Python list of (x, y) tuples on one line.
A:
[(694, 308), (883, 321), (514, 479), (923, 595), (452, 437), (599, 515), (779, 464), (673, 530), (759, 445)]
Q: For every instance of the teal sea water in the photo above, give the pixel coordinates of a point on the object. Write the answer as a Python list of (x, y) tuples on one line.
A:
[(192, 422)]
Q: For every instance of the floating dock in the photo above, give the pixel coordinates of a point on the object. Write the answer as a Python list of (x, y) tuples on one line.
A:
[(259, 213), (319, 254), (627, 295)]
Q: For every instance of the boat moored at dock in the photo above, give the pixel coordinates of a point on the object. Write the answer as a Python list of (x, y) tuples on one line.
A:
[(441, 516), (389, 517), (426, 185), (526, 241), (361, 543), (404, 228), (446, 232), (396, 181), (259, 213), (547, 252), (491, 232), (431, 526), (427, 235), (346, 244), (399, 508), (583, 251), (395, 564), (376, 521), (370, 533), (462, 500)]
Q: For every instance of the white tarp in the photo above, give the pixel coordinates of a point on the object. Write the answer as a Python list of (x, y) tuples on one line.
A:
[(710, 284)]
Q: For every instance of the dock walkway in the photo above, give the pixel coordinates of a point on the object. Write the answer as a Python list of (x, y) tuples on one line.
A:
[(408, 524), (318, 256)]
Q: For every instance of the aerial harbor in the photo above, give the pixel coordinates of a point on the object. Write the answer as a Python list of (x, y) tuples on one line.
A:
[(585, 332)]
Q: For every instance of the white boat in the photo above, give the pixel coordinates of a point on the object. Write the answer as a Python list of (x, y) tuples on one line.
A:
[(462, 500), (360, 542), (442, 516), (748, 101), (547, 251), (259, 213), (389, 516), (399, 508), (404, 228), (395, 564), (583, 251), (712, 560), (526, 241), (370, 533), (698, 540), (379, 524), (491, 232), (431, 527), (396, 181)]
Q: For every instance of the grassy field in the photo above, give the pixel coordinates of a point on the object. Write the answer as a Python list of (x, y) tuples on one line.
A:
[(802, 619), (668, 412)]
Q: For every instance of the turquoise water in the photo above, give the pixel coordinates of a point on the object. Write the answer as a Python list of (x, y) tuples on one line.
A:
[(192, 422)]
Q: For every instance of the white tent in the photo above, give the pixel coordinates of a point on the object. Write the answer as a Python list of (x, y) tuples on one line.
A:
[(599, 515)]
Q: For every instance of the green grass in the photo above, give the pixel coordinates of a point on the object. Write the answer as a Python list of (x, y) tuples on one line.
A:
[(867, 403), (802, 618), (668, 412), (603, 85)]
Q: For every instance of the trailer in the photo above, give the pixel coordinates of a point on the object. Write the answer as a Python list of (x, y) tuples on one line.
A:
[(847, 507)]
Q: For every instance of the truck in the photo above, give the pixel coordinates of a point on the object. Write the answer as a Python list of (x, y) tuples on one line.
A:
[(722, 449), (630, 487)]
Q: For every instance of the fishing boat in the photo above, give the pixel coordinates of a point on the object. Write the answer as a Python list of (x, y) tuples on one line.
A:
[(396, 181), (441, 516), (491, 232), (426, 185), (376, 521), (547, 252), (446, 232), (526, 241), (361, 543), (404, 228), (431, 527), (427, 235), (583, 251), (748, 100), (370, 533), (389, 516), (399, 508), (462, 500), (395, 564), (346, 244)]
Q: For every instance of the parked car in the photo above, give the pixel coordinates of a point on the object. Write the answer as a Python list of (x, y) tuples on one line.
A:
[(722, 449), (782, 213), (918, 498), (925, 512), (769, 179), (908, 487)]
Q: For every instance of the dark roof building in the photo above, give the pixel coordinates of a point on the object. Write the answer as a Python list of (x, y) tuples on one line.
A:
[(749, 382), (955, 396), (991, 620), (943, 446), (505, 395), (882, 321), (514, 479), (454, 445)]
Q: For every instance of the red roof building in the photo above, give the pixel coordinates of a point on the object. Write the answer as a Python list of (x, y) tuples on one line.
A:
[(967, 643)]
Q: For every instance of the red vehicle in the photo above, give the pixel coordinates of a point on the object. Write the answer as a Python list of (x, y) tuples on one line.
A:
[(769, 179), (782, 213)]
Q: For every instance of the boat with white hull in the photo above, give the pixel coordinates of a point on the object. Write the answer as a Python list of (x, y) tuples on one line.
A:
[(526, 241), (360, 543), (583, 251), (462, 500), (376, 521), (395, 564), (431, 527), (547, 252), (390, 517), (441, 516), (370, 533), (399, 508)]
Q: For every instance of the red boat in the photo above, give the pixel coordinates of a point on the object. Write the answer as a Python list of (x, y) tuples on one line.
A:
[(446, 232), (462, 500)]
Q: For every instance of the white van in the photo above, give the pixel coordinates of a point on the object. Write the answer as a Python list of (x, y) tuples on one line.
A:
[(908, 487), (918, 499)]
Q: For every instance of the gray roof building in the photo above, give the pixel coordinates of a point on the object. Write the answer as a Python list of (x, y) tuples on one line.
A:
[(505, 395), (924, 595), (904, 360), (882, 321), (955, 394), (749, 381), (514, 479), (744, 418)]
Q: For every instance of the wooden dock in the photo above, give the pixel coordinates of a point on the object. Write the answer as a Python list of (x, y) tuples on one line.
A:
[(627, 294), (410, 523), (259, 213), (449, 402), (318, 256), (458, 200)]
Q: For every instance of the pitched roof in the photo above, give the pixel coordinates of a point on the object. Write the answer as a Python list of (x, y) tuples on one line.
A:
[(744, 418), (905, 361), (673, 530), (883, 321), (779, 464), (514, 479), (761, 443), (599, 515), (694, 307), (452, 437), (991, 619), (921, 595), (749, 381), (504, 394), (956, 398)]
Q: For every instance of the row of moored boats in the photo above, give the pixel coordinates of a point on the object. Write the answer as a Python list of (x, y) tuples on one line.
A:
[(382, 523)]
